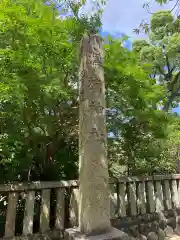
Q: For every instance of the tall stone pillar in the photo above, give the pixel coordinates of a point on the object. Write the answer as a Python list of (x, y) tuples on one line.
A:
[(94, 205), (94, 215)]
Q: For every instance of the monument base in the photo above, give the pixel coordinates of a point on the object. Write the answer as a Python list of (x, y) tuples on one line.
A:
[(114, 234)]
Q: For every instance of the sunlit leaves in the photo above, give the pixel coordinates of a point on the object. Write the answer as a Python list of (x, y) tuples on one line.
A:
[(138, 45), (163, 54), (36, 58), (161, 1), (173, 46), (162, 24), (134, 98)]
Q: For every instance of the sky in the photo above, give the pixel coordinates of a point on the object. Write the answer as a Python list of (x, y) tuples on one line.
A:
[(122, 16)]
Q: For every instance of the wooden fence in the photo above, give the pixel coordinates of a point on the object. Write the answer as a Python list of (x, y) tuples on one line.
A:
[(26, 209)]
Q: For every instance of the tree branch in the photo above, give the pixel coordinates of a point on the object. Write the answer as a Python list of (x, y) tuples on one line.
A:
[(160, 70), (168, 64), (174, 93)]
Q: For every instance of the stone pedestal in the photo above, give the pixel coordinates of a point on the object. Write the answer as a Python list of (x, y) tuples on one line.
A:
[(113, 234)]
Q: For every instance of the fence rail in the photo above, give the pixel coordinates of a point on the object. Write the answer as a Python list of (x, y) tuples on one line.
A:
[(12, 187), (54, 205)]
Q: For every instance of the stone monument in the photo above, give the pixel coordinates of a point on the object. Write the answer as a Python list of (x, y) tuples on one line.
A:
[(94, 205)]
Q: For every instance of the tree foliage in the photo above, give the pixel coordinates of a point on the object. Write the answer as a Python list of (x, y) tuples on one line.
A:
[(39, 98), (133, 117), (160, 54), (39, 74), (161, 51), (38, 69)]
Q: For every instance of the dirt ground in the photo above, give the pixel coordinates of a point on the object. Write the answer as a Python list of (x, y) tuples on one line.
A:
[(174, 237)]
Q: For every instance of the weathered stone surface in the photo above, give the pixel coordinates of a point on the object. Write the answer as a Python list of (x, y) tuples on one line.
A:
[(163, 223), (11, 214), (134, 230), (171, 222), (126, 230), (152, 236), (170, 213), (175, 198), (133, 238), (142, 228), (161, 216), (159, 197), (178, 220), (145, 228), (154, 222), (167, 193), (161, 234), (155, 226), (73, 207), (127, 218), (168, 231), (151, 197), (142, 237), (156, 216), (114, 234), (141, 198), (146, 217), (53, 234), (132, 197), (150, 226), (137, 219), (124, 222), (122, 207), (94, 202), (178, 211), (177, 230), (166, 214)]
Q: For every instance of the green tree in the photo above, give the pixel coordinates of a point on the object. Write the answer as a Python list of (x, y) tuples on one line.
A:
[(133, 117), (39, 72), (161, 53), (171, 153), (38, 69), (39, 102)]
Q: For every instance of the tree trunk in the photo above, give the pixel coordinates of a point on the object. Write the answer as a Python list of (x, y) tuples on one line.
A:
[(94, 207)]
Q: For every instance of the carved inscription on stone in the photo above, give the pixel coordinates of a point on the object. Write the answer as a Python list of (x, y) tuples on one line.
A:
[(94, 59), (95, 134), (93, 169)]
